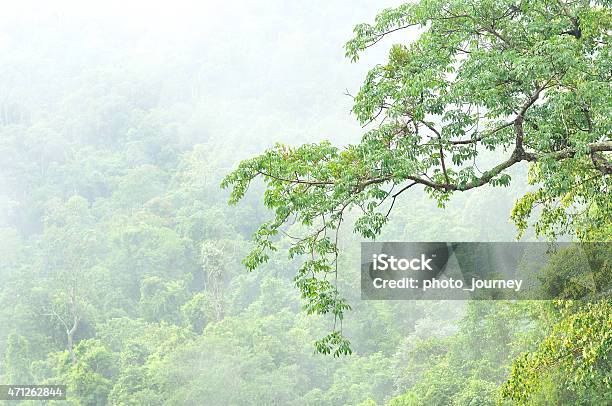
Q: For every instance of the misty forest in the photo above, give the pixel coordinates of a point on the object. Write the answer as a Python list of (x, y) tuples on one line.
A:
[(184, 188)]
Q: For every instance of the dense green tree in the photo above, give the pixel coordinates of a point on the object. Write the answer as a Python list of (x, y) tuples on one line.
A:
[(17, 359), (528, 78)]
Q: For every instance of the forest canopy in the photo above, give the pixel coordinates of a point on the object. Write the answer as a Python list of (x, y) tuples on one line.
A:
[(120, 258)]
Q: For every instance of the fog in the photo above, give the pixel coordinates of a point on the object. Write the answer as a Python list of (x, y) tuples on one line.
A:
[(118, 121)]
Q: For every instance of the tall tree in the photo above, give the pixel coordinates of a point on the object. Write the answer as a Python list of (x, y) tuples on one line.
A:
[(529, 80), (68, 236)]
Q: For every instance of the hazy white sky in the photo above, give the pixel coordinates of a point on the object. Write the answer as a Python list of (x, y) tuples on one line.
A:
[(289, 53), (177, 16)]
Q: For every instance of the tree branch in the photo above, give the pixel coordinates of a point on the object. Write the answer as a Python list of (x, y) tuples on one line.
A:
[(397, 194)]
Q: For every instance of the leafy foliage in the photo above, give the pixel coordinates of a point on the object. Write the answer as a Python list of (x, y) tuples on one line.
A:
[(531, 79), (572, 365)]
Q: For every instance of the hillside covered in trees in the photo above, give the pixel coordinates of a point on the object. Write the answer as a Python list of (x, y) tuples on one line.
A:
[(123, 264)]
